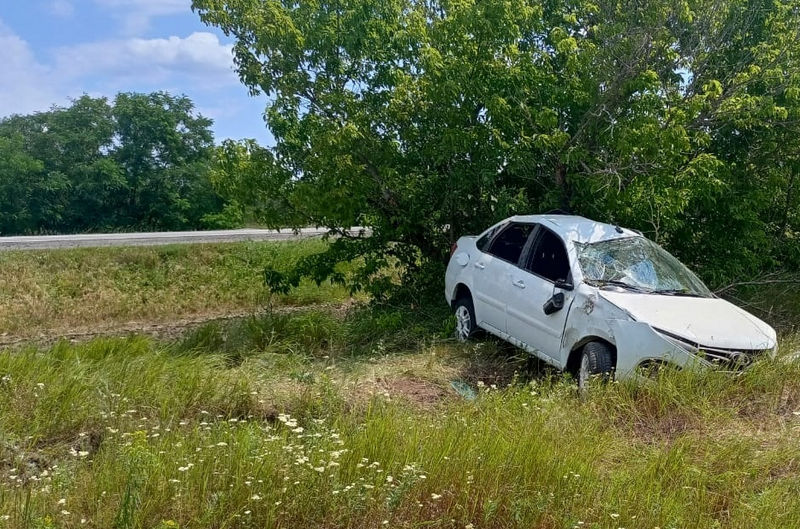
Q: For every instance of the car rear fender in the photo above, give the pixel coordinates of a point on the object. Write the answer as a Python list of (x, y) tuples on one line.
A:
[(458, 270)]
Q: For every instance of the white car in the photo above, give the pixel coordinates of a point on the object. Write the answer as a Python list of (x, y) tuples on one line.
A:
[(595, 299)]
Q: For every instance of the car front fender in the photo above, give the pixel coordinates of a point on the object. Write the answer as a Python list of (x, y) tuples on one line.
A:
[(637, 342)]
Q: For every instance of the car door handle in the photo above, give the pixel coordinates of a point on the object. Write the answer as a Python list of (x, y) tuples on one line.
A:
[(519, 283), (480, 266)]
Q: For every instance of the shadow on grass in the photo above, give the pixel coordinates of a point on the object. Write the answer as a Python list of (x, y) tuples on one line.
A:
[(494, 362), (364, 331)]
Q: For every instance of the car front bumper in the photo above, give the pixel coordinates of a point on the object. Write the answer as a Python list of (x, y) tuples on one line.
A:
[(639, 344)]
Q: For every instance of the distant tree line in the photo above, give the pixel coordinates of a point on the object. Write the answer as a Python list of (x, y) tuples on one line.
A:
[(141, 161)]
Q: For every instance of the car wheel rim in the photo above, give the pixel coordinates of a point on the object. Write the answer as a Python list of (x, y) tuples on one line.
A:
[(583, 372), (463, 323)]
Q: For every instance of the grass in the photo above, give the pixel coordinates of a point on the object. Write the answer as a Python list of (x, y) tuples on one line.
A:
[(53, 292), (371, 417), (324, 424)]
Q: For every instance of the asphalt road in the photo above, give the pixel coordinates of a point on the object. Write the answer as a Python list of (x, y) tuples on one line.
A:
[(154, 238)]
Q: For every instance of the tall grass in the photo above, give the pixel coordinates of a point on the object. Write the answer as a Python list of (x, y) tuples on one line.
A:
[(330, 419), (131, 433)]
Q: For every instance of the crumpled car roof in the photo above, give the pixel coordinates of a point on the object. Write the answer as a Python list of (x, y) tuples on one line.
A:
[(578, 229)]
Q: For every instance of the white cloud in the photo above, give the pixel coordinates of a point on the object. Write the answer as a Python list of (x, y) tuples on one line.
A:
[(60, 8), (25, 85), (200, 57), (135, 15), (197, 63)]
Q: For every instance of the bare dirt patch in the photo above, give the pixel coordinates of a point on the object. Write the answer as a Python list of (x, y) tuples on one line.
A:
[(666, 427), (415, 390)]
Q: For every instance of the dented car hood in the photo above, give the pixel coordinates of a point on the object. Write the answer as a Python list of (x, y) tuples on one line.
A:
[(709, 322)]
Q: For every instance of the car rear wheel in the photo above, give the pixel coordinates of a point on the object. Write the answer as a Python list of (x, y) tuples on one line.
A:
[(597, 363), (465, 318)]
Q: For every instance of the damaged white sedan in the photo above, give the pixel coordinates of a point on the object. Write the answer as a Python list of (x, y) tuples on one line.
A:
[(595, 299)]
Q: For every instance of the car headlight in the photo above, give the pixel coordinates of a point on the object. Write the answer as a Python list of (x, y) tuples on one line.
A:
[(683, 343)]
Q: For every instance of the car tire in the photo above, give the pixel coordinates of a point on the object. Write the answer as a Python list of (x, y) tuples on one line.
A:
[(465, 318), (597, 363)]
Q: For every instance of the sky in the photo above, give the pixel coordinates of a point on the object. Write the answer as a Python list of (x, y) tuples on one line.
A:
[(54, 50)]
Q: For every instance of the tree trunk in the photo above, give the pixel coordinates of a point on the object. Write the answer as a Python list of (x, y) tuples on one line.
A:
[(563, 187)]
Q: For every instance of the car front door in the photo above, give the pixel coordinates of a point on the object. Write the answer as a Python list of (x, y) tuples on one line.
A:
[(498, 259), (544, 266)]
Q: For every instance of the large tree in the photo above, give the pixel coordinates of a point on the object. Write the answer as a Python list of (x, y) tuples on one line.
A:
[(430, 119), (165, 152), (142, 161), (25, 188)]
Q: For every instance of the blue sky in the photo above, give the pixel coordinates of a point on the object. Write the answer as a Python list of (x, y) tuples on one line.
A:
[(53, 50)]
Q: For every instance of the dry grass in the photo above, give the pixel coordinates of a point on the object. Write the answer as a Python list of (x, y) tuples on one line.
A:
[(56, 292)]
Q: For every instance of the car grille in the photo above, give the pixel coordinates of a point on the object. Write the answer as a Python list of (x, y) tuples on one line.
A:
[(730, 359)]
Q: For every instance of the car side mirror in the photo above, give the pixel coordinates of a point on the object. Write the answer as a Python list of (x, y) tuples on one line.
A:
[(564, 285), (554, 304)]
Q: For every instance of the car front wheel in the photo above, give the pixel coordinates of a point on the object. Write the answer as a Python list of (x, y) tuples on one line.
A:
[(465, 318), (596, 363)]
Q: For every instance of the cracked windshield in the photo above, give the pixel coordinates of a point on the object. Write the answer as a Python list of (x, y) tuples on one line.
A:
[(638, 264)]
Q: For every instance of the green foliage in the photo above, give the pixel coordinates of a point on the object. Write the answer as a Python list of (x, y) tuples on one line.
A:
[(429, 120), (164, 151), (23, 187), (139, 162), (256, 188)]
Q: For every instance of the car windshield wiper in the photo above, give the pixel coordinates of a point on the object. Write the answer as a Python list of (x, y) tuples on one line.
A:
[(617, 283), (677, 292)]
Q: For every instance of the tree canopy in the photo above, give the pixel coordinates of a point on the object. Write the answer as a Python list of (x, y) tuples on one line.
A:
[(141, 161), (431, 119)]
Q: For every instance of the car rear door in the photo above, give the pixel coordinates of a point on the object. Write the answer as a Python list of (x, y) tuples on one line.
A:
[(491, 286), (533, 283)]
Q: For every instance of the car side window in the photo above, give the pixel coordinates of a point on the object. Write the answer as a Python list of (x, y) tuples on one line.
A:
[(509, 243), (484, 241), (548, 258)]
